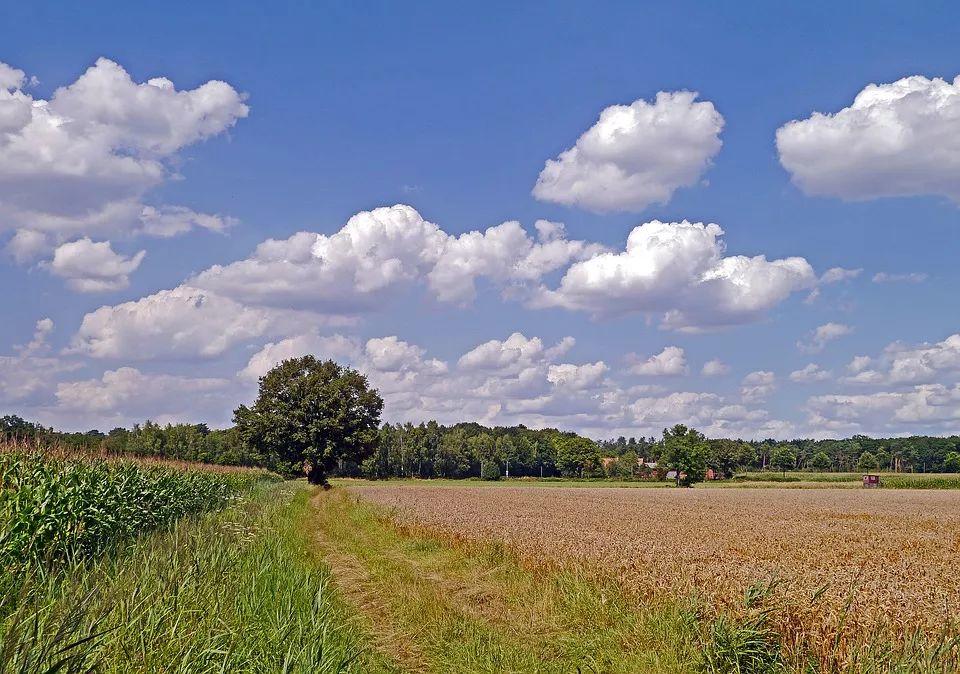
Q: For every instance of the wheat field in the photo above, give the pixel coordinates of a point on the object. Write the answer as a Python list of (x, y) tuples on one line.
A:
[(850, 568)]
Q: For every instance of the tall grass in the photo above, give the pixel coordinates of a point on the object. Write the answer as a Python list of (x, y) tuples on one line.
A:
[(56, 509), (238, 590)]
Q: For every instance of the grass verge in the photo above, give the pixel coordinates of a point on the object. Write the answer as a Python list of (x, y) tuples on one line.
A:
[(444, 607), (240, 590)]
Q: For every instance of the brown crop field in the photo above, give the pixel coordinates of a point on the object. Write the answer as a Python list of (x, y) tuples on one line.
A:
[(855, 568)]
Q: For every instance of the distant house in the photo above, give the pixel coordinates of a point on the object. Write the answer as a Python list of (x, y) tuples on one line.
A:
[(607, 461)]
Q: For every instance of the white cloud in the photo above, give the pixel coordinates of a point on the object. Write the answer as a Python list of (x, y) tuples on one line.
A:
[(577, 377), (922, 409), (898, 139), (671, 362), (809, 374), (512, 354), (904, 364), (715, 368), (336, 347), (838, 274), (168, 221), (80, 163), (181, 323), (679, 269), (378, 252), (822, 335), (757, 386), (912, 277), (504, 254), (90, 267), (30, 375), (635, 155), (859, 364), (127, 395)]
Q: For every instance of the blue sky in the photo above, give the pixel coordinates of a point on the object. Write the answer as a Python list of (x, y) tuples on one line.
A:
[(330, 110)]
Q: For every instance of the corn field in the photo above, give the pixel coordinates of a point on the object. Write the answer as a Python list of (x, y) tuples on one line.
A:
[(57, 507)]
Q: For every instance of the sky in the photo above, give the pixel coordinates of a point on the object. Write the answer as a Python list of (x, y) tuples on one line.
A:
[(607, 218)]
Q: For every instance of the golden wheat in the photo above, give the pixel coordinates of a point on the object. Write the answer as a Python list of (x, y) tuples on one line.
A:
[(855, 566)]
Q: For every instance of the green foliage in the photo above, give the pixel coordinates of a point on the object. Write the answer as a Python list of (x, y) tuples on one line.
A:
[(783, 458), (490, 470), (821, 461), (57, 510), (867, 461), (685, 451), (951, 464), (312, 416), (746, 645), (577, 456), (240, 590)]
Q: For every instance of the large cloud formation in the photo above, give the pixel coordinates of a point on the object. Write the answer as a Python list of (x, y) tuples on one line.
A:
[(898, 139), (635, 155), (679, 269), (81, 163)]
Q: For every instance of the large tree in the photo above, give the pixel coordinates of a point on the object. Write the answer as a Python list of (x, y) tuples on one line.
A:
[(685, 451), (310, 416)]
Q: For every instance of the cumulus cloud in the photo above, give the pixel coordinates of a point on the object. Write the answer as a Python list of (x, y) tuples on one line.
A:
[(128, 395), (912, 277), (378, 252), (347, 272), (679, 269), (184, 322), (513, 354), (822, 335), (926, 408), (757, 386), (337, 347), (30, 374), (810, 374), (577, 377), (671, 362), (897, 139), (908, 364), (81, 163), (90, 267), (635, 155), (503, 254), (715, 368)]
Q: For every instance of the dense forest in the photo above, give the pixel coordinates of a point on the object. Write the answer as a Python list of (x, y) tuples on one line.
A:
[(470, 450)]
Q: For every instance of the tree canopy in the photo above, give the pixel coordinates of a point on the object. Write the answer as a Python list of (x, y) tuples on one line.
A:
[(312, 416), (685, 451)]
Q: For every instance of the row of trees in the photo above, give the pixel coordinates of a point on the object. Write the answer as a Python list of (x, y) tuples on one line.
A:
[(321, 418)]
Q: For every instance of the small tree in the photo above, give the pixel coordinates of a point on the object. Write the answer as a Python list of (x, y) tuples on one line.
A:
[(489, 470), (783, 458), (867, 461), (951, 462), (310, 415), (821, 461), (685, 451)]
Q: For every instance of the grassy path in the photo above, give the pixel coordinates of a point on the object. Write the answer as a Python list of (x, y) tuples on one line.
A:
[(239, 590), (437, 607)]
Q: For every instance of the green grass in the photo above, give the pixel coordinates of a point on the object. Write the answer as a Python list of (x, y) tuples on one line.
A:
[(239, 590), (446, 607)]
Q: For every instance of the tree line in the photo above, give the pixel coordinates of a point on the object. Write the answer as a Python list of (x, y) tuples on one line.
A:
[(319, 418)]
